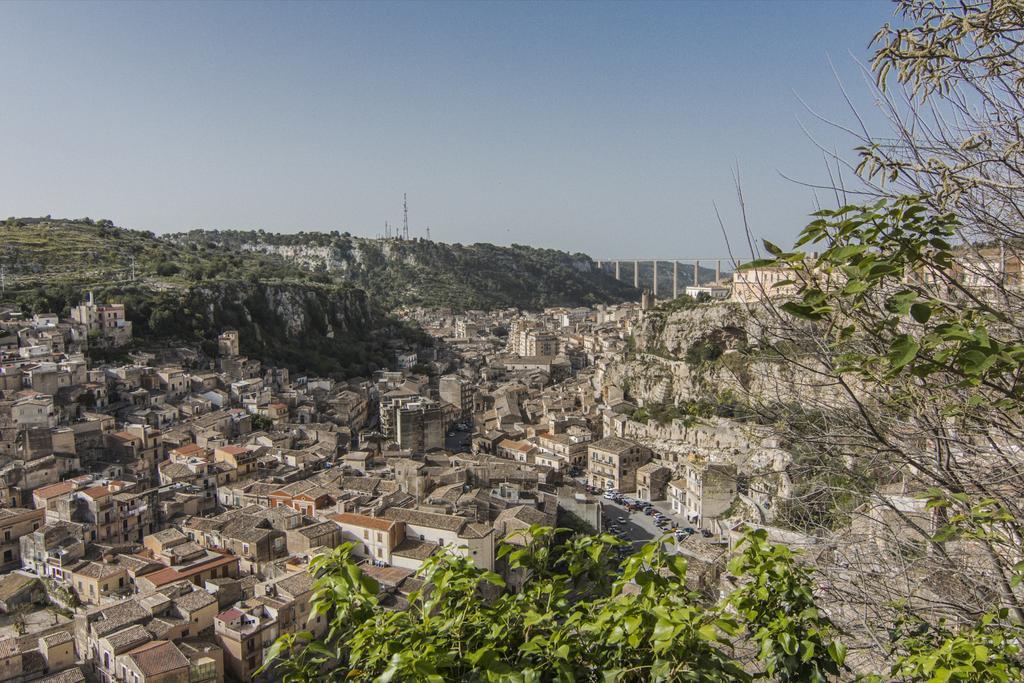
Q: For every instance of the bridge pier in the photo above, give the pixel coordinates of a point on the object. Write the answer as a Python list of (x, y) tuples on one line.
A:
[(679, 286)]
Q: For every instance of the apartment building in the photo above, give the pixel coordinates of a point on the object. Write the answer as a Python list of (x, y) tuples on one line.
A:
[(15, 523), (427, 532), (613, 463), (246, 631), (572, 448), (419, 426), (458, 391), (373, 538), (705, 491)]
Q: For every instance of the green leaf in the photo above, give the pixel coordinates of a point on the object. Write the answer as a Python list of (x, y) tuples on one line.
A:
[(708, 632), (837, 651), (902, 351), (801, 310), (921, 312)]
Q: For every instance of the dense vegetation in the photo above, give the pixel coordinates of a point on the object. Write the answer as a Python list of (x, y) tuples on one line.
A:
[(581, 615), (84, 252), (432, 274), (188, 294)]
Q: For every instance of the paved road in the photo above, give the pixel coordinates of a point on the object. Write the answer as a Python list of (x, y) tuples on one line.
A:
[(636, 526), (455, 443)]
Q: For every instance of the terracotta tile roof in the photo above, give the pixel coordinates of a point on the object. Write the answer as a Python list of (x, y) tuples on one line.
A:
[(58, 638), (128, 638), (96, 492), (98, 570), (388, 576), (432, 520), (415, 550), (53, 490), (73, 675), (363, 521), (194, 601), (168, 575), (296, 584), (158, 657), (521, 446), (230, 614)]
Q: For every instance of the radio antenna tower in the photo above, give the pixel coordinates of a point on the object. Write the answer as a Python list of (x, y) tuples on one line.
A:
[(387, 230), (428, 233), (405, 216)]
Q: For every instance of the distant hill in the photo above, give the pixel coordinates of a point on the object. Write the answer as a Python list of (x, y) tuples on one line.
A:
[(433, 274), (311, 301), (188, 293)]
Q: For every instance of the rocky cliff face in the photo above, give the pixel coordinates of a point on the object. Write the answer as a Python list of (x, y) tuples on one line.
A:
[(286, 311), (323, 329), (706, 352)]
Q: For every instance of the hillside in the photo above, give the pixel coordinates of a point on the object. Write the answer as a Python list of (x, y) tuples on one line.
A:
[(334, 292), (433, 274), (190, 293)]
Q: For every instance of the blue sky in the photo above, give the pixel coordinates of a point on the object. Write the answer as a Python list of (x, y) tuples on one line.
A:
[(605, 128)]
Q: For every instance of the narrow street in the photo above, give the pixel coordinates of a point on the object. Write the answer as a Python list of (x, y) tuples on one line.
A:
[(457, 440)]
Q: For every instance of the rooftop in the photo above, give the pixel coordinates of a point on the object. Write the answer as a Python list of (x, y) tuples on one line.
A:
[(365, 521), (158, 657)]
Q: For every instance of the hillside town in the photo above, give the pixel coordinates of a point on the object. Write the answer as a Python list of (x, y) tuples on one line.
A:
[(160, 513)]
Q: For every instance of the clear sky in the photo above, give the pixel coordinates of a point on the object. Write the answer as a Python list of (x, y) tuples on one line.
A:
[(604, 128)]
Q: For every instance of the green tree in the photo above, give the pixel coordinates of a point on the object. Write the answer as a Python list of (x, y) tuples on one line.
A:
[(579, 615)]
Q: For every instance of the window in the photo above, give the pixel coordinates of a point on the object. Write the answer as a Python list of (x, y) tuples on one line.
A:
[(245, 548)]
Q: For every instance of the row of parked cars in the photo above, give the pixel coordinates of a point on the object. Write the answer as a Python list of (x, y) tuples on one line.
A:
[(661, 521)]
